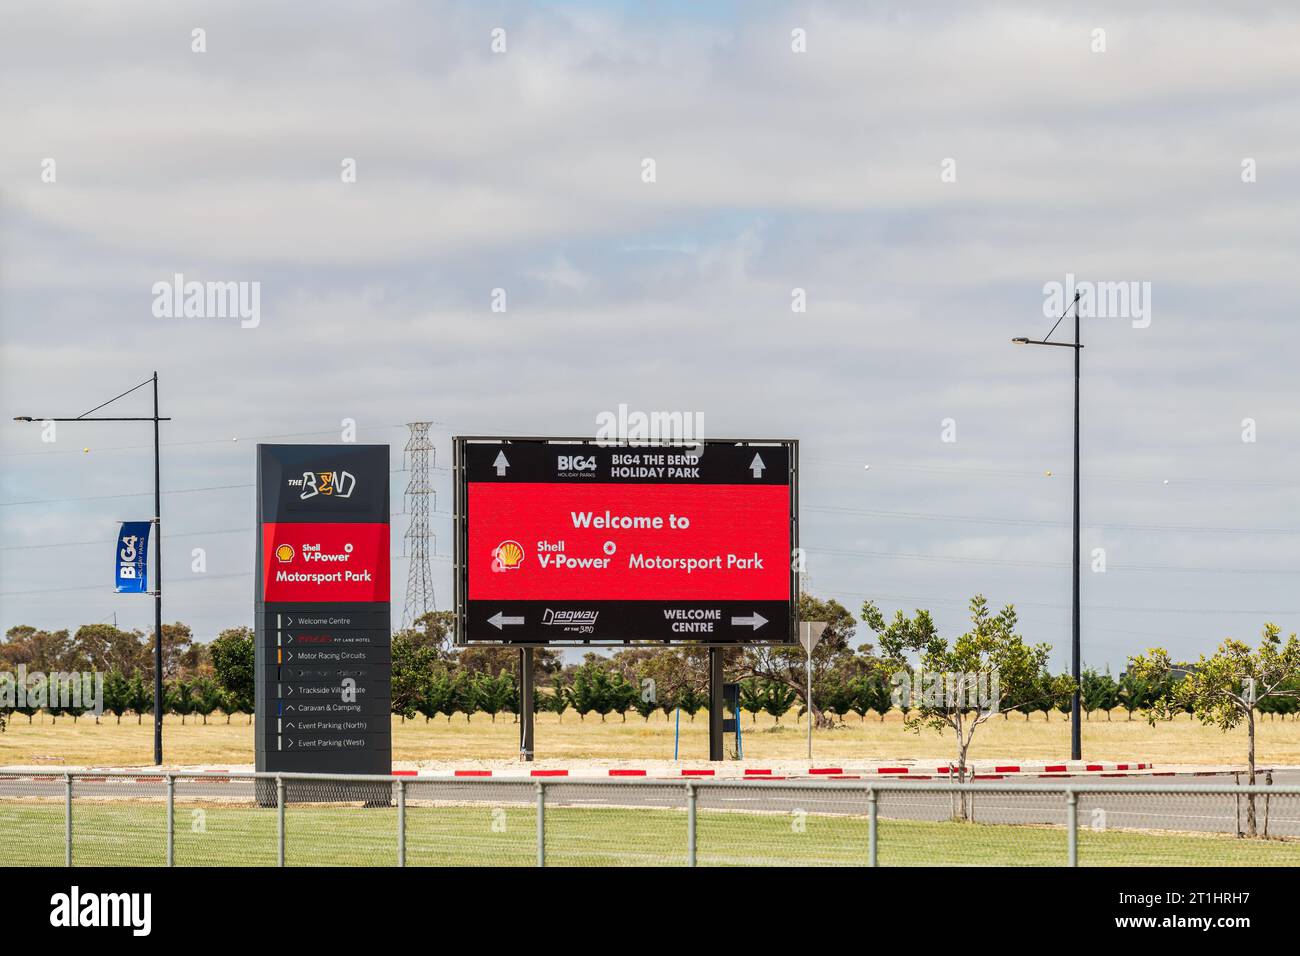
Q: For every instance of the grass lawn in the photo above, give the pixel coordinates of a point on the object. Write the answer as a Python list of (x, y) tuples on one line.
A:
[(1181, 741), (207, 834)]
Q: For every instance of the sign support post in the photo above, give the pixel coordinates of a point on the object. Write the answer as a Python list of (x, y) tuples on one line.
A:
[(810, 633), (715, 703), (526, 704)]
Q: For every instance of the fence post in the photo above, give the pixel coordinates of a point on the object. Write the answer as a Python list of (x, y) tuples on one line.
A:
[(871, 826), (279, 808), (171, 820), (1072, 825), (1268, 779), (67, 819), (690, 823), (541, 823), (1236, 779), (401, 821)]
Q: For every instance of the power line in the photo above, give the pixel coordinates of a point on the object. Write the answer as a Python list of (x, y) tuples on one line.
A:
[(961, 559), (829, 509), (974, 470), (1128, 609), (1038, 522)]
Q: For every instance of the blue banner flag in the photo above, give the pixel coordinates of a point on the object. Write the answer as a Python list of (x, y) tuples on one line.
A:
[(132, 558)]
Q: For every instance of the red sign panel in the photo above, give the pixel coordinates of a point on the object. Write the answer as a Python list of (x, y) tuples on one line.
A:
[(604, 542), (339, 561)]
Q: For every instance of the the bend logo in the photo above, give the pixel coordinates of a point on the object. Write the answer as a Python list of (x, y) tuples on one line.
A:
[(72, 909), (507, 556), (330, 484)]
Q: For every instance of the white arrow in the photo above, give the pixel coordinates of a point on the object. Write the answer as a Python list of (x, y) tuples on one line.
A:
[(757, 466), (755, 622), (498, 619), (501, 464)]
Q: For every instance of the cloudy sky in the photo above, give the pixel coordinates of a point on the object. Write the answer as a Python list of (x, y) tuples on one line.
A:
[(921, 171)]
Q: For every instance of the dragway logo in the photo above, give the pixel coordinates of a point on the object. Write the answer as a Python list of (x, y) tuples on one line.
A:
[(74, 908), (331, 484), (554, 618)]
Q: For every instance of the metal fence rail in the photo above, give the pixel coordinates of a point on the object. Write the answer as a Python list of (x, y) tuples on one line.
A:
[(247, 819)]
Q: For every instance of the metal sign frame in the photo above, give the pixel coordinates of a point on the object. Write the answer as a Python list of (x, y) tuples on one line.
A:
[(460, 446)]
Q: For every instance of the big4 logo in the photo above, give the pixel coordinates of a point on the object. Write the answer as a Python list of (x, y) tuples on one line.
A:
[(576, 463)]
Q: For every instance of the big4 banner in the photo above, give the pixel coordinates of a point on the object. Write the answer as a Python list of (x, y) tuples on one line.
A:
[(574, 541)]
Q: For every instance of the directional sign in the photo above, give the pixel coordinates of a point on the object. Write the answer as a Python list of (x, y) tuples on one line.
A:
[(323, 677), (810, 634), (574, 541)]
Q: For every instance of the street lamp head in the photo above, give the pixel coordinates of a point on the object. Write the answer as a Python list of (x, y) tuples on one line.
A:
[(24, 418), (1020, 341)]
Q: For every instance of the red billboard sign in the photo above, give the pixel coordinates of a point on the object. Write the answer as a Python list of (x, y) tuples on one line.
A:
[(573, 542)]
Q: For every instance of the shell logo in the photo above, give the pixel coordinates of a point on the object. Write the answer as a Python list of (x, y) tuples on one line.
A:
[(507, 556), (284, 553)]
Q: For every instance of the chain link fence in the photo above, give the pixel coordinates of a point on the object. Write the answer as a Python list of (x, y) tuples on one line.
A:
[(243, 819)]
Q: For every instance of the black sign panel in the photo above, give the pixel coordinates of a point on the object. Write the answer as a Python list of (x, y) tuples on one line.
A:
[(571, 541), (324, 640)]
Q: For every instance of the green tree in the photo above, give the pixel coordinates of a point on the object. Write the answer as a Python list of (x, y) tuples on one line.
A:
[(140, 696), (1225, 689), (778, 698), (234, 666), (751, 697), (1135, 691), (588, 691), (787, 664), (553, 702), (492, 695), (178, 698), (691, 700), (623, 694), (412, 666), (966, 681), (208, 696), (117, 693), (1097, 692)]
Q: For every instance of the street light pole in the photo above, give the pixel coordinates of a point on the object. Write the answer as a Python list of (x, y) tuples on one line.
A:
[(157, 574), (157, 523), (1076, 728)]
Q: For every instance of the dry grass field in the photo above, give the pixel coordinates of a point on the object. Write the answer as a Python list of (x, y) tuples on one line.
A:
[(219, 743)]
